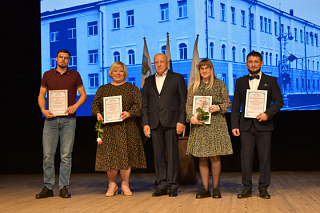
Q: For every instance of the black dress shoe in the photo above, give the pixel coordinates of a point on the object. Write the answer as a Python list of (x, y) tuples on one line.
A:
[(216, 193), (264, 194), (44, 193), (245, 193), (173, 193), (203, 193), (64, 193), (159, 192)]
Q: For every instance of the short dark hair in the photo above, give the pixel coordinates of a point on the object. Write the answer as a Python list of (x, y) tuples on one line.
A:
[(254, 53), (64, 51)]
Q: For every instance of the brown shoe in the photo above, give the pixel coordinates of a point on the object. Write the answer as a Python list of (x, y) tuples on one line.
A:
[(245, 194), (203, 193), (264, 194), (45, 193), (64, 193), (216, 193)]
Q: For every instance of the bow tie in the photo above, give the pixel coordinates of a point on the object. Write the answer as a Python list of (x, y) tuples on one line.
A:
[(254, 76)]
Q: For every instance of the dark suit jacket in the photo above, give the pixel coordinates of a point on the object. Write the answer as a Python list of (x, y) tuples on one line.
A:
[(168, 107), (268, 83)]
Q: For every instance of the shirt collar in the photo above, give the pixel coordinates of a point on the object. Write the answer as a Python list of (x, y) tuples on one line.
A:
[(260, 74), (164, 74), (67, 72)]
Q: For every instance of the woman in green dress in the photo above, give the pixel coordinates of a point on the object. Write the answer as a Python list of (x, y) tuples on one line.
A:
[(211, 141), (121, 147)]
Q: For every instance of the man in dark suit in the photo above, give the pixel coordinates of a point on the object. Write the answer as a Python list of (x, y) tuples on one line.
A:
[(164, 117), (255, 131)]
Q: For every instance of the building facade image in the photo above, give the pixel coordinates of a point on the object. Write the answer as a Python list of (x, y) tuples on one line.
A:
[(99, 33)]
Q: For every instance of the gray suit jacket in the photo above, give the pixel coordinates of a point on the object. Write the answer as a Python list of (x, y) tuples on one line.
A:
[(268, 83), (168, 107)]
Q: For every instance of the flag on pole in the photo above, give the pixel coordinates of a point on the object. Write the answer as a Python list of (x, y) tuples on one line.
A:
[(146, 64), (195, 63), (168, 53)]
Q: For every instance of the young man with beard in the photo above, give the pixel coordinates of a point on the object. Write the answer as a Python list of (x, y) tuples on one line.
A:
[(63, 127), (255, 131)]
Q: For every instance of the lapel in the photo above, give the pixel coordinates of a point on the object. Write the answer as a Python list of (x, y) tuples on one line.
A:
[(166, 82), (263, 82), (153, 83), (246, 84)]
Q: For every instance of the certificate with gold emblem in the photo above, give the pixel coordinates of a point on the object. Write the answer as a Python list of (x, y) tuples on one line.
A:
[(256, 103), (58, 102), (112, 108)]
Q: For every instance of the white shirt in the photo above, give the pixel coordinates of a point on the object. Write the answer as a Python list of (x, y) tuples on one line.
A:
[(254, 83), (160, 80)]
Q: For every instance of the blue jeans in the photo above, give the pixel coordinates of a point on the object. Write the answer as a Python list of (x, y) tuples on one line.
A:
[(55, 128)]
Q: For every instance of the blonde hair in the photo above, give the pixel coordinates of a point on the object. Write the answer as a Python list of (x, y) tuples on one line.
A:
[(116, 65), (208, 63)]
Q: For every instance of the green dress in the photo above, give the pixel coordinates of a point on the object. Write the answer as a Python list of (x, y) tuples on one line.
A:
[(212, 139), (121, 147)]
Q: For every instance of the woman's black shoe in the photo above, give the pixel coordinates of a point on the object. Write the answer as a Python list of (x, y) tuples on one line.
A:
[(203, 193), (216, 193)]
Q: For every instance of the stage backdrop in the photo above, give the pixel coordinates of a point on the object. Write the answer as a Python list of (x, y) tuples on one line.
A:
[(295, 144)]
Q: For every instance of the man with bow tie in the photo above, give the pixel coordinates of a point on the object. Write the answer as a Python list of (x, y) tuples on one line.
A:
[(255, 131)]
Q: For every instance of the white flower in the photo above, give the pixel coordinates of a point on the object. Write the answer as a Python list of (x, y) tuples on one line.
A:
[(99, 140)]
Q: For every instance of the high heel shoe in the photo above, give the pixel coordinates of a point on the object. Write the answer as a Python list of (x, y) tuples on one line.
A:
[(126, 193), (110, 194)]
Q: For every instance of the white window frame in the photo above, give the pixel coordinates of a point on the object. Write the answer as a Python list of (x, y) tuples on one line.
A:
[(243, 18), (233, 15), (93, 56), (95, 77), (210, 8), (116, 21), (73, 61), (53, 61), (182, 9), (164, 12), (183, 51), (130, 18), (222, 12), (131, 57), (54, 36), (93, 26), (72, 32)]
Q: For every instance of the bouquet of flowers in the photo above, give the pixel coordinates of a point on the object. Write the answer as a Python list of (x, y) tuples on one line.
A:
[(99, 131)]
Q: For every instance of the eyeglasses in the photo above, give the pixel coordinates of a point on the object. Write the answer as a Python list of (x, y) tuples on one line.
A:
[(202, 69)]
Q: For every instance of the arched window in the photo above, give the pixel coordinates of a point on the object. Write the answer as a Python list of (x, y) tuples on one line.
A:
[(318, 66), (313, 65), (182, 51), (277, 57), (116, 56), (211, 49), (163, 49), (223, 52), (233, 53), (244, 55), (267, 58), (270, 57), (262, 54), (131, 57)]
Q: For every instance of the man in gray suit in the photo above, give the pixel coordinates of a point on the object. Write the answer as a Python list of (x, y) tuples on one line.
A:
[(164, 117), (255, 131)]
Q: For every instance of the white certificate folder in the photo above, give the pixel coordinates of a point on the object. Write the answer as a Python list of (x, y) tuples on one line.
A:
[(112, 108), (256, 103)]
